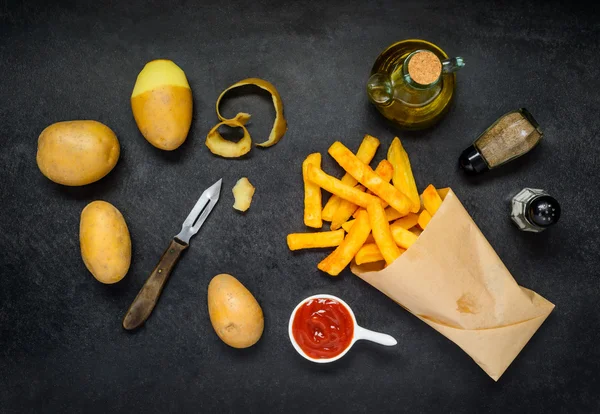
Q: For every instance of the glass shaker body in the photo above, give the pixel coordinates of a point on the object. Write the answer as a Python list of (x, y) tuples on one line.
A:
[(534, 210), (511, 136)]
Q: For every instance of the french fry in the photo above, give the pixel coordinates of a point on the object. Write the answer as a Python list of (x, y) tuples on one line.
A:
[(443, 192), (390, 214), (431, 199), (344, 211), (385, 170), (416, 231), (403, 178), (345, 252), (403, 238), (382, 233), (407, 222), (370, 239), (366, 152), (312, 193), (367, 177), (330, 207), (369, 253), (348, 225), (424, 219), (335, 186), (297, 241)]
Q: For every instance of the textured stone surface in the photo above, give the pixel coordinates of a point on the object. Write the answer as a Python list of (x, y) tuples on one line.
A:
[(62, 347)]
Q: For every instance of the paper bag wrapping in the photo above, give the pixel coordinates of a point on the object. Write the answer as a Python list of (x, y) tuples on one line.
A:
[(452, 279)]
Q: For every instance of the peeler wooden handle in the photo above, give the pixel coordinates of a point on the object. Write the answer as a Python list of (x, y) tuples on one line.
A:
[(145, 301)]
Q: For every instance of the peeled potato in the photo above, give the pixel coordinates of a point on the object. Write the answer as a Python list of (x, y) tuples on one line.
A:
[(162, 104), (234, 313), (243, 192), (77, 153), (105, 242)]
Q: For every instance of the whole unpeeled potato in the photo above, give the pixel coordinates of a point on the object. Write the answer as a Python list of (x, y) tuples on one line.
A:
[(77, 152), (105, 242), (161, 102), (234, 313)]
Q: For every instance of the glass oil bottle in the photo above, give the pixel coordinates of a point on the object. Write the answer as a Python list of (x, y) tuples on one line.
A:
[(412, 82)]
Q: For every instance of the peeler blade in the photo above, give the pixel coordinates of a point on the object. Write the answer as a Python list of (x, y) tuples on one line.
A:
[(200, 212)]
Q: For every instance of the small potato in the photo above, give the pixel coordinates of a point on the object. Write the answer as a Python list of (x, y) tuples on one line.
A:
[(161, 102), (77, 153), (105, 242), (234, 313)]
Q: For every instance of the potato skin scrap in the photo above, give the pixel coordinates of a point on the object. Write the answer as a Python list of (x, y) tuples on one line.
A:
[(228, 149), (279, 125), (243, 191)]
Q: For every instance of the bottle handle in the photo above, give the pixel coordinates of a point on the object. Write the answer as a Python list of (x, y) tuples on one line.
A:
[(379, 89), (453, 64)]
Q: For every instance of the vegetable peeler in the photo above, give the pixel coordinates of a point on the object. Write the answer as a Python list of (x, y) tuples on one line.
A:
[(145, 301)]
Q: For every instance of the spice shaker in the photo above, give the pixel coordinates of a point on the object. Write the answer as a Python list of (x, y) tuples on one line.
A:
[(511, 136), (534, 210)]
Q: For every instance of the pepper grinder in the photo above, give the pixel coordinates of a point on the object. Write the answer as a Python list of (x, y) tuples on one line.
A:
[(511, 136), (534, 210)]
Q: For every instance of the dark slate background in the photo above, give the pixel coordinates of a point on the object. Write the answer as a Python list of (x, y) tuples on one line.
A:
[(62, 348)]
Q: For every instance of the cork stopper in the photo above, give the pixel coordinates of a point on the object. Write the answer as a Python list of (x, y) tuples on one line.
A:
[(424, 67)]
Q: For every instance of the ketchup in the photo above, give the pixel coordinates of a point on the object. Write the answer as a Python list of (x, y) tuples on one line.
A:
[(323, 328)]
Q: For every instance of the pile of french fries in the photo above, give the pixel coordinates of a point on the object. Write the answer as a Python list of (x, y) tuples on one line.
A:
[(381, 219)]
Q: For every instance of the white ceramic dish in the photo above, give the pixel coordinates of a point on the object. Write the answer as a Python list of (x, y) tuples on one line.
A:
[(359, 332)]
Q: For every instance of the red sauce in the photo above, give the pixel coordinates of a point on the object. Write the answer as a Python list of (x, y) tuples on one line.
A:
[(323, 328)]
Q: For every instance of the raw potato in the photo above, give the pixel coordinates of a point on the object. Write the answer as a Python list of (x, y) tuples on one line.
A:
[(234, 313), (105, 242), (161, 102), (243, 192), (77, 153)]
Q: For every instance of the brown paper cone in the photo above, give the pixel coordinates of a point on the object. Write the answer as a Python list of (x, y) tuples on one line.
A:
[(453, 280)]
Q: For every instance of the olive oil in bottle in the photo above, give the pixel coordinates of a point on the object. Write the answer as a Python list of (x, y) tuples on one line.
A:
[(412, 83)]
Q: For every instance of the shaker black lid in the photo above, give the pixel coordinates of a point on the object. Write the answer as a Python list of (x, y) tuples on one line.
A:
[(544, 211), (472, 162)]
